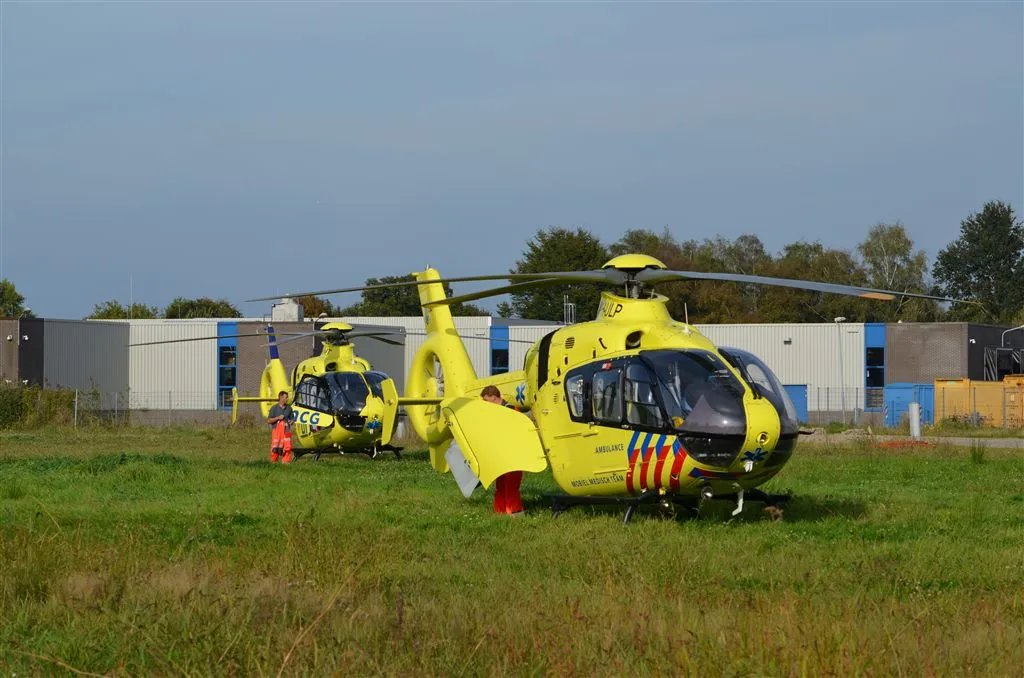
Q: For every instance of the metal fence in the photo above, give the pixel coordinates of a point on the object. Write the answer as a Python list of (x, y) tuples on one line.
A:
[(83, 408), (978, 404), (958, 404)]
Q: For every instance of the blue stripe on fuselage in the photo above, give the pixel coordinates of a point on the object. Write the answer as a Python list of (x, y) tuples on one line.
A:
[(632, 445), (647, 441)]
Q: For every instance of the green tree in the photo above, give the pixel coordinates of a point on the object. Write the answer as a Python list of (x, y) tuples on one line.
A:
[(115, 310), (705, 301), (558, 249), (812, 261), (12, 304), (986, 265), (890, 263), (313, 306), (399, 301), (203, 307)]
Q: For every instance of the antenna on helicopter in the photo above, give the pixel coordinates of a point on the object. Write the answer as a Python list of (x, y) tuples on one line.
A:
[(568, 311)]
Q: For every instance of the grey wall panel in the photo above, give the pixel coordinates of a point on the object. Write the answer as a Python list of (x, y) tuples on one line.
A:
[(83, 355)]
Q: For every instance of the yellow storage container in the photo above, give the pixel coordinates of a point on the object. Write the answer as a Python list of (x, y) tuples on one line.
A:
[(988, 403)]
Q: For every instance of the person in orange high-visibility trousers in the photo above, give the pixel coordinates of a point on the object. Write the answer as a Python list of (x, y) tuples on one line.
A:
[(506, 487), (280, 420)]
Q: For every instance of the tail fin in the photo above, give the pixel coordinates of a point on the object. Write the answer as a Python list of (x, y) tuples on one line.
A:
[(443, 340), (442, 346), (274, 379)]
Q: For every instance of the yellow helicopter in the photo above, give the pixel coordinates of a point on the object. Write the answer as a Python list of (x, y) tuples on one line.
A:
[(339, 402), (631, 407)]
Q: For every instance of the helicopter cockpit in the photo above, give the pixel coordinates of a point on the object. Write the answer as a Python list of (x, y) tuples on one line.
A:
[(342, 394), (688, 393)]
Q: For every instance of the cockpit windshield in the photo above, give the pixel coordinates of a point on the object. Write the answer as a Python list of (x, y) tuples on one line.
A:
[(765, 384), (348, 391), (698, 390)]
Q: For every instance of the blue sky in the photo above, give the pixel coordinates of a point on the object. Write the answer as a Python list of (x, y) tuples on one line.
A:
[(245, 149)]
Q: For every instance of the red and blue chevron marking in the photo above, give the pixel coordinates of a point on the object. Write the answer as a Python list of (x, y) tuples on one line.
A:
[(659, 451)]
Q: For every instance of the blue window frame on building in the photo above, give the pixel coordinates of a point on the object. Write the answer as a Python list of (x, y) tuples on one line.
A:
[(499, 349), (227, 363), (874, 361)]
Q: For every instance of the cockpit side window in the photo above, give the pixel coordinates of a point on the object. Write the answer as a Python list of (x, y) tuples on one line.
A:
[(312, 394), (374, 379), (642, 407), (607, 396), (577, 391)]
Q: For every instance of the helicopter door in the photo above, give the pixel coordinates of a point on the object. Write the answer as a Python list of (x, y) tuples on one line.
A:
[(494, 440), (312, 406)]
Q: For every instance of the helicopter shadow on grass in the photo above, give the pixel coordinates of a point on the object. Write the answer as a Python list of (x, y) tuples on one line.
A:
[(801, 508)]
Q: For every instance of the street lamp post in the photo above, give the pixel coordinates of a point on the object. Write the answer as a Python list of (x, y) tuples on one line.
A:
[(842, 375)]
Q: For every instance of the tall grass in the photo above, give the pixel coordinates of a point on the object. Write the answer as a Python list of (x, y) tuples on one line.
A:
[(182, 552)]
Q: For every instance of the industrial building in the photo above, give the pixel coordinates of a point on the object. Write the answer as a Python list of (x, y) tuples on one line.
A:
[(837, 370)]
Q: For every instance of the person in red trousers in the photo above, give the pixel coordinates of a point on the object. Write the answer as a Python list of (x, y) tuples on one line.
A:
[(506, 487), (280, 420)]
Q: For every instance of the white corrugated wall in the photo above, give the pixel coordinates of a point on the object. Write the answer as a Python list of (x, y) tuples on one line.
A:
[(85, 355), (173, 376), (811, 357)]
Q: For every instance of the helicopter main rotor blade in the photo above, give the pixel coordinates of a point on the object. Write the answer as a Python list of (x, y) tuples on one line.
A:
[(510, 341), (495, 291), (609, 275), (222, 336), (652, 276), (379, 336)]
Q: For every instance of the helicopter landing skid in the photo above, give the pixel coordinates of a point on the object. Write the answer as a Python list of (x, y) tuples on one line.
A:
[(563, 502), (373, 452), (385, 448), (774, 503)]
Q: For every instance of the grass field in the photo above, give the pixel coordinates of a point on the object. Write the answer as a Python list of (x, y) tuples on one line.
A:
[(183, 552)]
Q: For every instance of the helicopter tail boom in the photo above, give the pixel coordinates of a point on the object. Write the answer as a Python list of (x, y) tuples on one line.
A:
[(235, 399)]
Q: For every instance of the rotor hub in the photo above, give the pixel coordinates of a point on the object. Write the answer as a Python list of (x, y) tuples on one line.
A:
[(633, 263)]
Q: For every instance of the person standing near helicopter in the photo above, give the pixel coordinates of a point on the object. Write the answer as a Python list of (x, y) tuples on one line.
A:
[(280, 419), (506, 487)]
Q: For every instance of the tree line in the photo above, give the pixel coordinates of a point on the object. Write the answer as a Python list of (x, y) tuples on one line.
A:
[(985, 265)]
